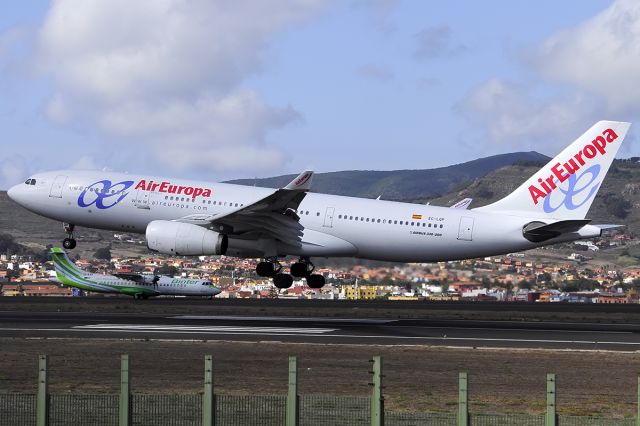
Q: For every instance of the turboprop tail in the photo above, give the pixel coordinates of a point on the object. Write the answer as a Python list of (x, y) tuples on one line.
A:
[(565, 188)]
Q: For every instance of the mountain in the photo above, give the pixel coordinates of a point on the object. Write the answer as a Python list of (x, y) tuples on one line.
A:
[(618, 200), (403, 184)]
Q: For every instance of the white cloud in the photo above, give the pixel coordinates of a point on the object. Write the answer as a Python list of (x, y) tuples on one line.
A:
[(169, 73), (600, 56), (586, 73), (512, 115)]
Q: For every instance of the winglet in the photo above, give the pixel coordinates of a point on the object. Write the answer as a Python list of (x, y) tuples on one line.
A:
[(302, 182), (462, 204)]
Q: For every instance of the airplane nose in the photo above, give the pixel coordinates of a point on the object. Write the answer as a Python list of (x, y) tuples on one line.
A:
[(12, 192)]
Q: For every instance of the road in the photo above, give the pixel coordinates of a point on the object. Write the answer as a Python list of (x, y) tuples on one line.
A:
[(358, 331)]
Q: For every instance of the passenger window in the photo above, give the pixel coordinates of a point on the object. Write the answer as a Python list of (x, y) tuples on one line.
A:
[(441, 225), (350, 217), (395, 222), (400, 222), (367, 219)]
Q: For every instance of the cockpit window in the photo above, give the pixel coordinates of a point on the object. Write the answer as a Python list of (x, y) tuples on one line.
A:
[(30, 182), (33, 181)]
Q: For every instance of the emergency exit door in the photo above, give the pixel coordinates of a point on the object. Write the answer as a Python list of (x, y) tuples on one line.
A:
[(328, 217), (465, 230), (57, 185)]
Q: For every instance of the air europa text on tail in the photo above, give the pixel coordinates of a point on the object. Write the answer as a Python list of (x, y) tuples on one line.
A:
[(561, 172)]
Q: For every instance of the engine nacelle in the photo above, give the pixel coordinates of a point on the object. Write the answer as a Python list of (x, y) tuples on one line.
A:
[(184, 239)]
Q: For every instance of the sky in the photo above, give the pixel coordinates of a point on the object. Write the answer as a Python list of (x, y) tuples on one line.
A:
[(215, 90)]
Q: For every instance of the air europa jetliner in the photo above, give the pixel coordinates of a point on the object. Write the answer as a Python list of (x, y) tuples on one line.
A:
[(191, 218)]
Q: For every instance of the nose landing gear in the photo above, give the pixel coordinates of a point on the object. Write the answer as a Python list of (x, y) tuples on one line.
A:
[(69, 243)]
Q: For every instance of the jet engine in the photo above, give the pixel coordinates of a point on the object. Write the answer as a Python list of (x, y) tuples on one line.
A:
[(184, 239)]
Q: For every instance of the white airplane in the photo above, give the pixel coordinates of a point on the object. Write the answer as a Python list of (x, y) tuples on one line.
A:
[(137, 285), (191, 218)]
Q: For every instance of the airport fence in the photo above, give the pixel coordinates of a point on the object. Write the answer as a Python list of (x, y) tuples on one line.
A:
[(208, 409)]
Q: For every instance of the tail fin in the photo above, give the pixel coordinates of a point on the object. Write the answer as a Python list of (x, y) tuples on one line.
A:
[(64, 266), (567, 185)]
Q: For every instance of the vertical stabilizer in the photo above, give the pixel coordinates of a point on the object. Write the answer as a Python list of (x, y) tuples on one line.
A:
[(65, 268), (567, 185)]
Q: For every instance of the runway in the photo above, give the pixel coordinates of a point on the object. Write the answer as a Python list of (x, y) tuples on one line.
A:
[(355, 331)]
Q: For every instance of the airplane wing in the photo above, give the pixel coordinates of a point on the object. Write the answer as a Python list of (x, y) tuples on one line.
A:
[(273, 216), (462, 204)]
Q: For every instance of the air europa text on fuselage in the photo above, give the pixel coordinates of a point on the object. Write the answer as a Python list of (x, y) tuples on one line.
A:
[(561, 172), (169, 188)]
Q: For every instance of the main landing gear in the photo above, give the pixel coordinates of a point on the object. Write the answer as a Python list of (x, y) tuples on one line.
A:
[(301, 269), (69, 243)]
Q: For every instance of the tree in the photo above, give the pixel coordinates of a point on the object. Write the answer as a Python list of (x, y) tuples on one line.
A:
[(103, 253), (167, 270), (524, 285)]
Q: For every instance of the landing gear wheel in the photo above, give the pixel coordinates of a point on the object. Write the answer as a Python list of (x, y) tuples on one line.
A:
[(69, 243), (282, 280), (315, 281), (268, 269), (302, 268)]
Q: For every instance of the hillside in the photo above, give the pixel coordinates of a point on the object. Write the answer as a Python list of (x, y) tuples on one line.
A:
[(401, 184), (618, 200)]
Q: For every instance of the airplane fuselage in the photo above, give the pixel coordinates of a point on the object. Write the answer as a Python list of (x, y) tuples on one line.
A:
[(334, 226)]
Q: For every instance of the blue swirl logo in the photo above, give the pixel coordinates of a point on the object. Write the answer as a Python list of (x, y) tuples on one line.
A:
[(104, 194), (576, 185)]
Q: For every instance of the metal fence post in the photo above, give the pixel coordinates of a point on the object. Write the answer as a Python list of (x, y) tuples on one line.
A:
[(638, 405), (377, 399), (463, 400), (124, 406), (551, 418), (42, 401), (208, 397), (292, 394)]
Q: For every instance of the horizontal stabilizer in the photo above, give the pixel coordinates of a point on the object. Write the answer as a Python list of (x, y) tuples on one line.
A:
[(609, 226), (538, 231)]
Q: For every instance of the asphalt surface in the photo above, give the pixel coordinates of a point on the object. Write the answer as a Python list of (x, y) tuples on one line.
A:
[(359, 331)]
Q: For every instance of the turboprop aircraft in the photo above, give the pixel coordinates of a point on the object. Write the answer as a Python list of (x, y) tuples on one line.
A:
[(192, 218), (136, 285)]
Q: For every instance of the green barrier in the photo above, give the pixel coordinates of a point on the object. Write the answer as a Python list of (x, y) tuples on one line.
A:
[(506, 420), (166, 410), (17, 409), (328, 410), (420, 419), (207, 409), (84, 409), (250, 410)]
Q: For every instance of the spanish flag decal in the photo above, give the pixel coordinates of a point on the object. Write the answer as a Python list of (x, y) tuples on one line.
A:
[(416, 216)]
